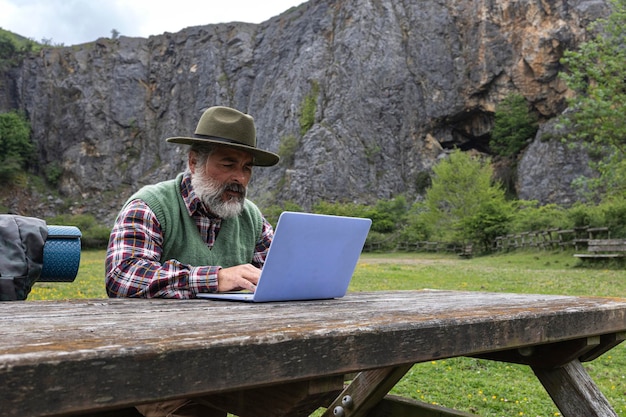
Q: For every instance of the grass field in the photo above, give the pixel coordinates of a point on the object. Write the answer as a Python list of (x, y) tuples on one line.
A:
[(478, 386)]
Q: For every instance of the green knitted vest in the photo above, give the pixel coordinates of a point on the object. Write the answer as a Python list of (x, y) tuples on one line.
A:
[(235, 242)]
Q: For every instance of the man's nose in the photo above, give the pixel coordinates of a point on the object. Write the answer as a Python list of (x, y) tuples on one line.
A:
[(239, 176)]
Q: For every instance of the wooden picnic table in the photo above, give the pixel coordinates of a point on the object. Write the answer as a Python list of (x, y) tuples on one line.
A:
[(79, 357)]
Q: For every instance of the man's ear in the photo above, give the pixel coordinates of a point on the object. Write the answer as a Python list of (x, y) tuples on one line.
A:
[(192, 161)]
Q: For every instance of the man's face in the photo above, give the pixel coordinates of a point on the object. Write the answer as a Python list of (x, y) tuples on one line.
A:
[(221, 183)]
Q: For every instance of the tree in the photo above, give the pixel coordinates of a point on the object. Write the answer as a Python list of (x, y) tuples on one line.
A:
[(15, 144), (462, 204), (597, 74), (515, 125)]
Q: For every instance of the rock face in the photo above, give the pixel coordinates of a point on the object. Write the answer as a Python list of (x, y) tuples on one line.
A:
[(549, 168), (359, 96)]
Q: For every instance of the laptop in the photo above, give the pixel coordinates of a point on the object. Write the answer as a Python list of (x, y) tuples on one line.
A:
[(312, 257)]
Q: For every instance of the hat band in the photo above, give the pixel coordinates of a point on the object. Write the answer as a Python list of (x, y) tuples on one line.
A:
[(218, 139)]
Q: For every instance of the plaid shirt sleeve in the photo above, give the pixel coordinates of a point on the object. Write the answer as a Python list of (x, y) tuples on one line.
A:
[(133, 262)]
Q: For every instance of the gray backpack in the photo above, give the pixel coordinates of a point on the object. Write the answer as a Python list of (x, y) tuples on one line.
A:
[(21, 254)]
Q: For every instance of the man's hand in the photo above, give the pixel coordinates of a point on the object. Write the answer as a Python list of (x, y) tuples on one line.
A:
[(240, 277)]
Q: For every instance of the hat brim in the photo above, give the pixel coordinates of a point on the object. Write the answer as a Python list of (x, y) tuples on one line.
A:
[(260, 157)]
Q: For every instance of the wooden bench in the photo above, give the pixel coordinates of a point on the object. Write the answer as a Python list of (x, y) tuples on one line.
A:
[(604, 249)]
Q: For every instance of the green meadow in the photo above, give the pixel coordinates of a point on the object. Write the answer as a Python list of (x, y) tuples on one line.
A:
[(477, 386)]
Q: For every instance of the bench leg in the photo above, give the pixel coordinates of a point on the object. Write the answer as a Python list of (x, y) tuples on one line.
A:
[(365, 391), (574, 392)]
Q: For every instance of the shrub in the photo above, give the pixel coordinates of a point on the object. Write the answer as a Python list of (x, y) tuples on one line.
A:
[(582, 215), (530, 216), (309, 107), (271, 213), (53, 173), (341, 209), (487, 223), (287, 149), (13, 47), (615, 216), (94, 235), (15, 145), (387, 215), (416, 228), (381, 242)]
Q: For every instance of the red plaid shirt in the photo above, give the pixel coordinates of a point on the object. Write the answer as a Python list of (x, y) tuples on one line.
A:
[(134, 267)]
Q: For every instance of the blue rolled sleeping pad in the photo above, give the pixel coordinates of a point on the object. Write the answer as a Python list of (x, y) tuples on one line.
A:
[(61, 254)]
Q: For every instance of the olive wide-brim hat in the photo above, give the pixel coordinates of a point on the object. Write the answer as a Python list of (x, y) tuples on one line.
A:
[(228, 127)]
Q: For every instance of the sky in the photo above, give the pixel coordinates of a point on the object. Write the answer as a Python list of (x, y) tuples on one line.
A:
[(71, 22)]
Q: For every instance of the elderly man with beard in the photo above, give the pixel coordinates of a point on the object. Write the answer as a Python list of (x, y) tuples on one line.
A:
[(197, 232)]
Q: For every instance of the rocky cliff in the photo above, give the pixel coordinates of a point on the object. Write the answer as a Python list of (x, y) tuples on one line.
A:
[(360, 96)]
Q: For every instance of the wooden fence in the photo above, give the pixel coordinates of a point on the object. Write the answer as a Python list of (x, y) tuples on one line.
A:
[(576, 238), (422, 246)]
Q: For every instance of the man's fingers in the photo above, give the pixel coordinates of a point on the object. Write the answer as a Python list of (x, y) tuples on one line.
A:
[(250, 286), (238, 277), (251, 273)]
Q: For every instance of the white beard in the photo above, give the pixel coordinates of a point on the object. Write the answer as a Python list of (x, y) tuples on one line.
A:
[(210, 193)]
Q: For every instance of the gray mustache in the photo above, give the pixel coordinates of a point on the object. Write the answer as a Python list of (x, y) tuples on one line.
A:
[(235, 187)]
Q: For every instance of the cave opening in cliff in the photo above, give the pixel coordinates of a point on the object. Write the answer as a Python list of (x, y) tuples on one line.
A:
[(468, 130), (466, 142)]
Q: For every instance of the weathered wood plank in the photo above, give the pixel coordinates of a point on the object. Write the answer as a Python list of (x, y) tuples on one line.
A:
[(296, 399), (607, 245), (393, 406), (574, 392), (124, 412), (547, 356), (599, 255), (607, 242), (78, 355)]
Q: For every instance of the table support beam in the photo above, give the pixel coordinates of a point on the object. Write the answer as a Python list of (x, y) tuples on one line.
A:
[(574, 392), (547, 356), (608, 342), (366, 390), (294, 399), (395, 406)]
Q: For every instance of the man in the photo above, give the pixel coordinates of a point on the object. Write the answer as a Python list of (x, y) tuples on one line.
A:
[(197, 232)]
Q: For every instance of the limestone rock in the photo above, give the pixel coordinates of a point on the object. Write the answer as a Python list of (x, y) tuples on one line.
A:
[(395, 84)]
